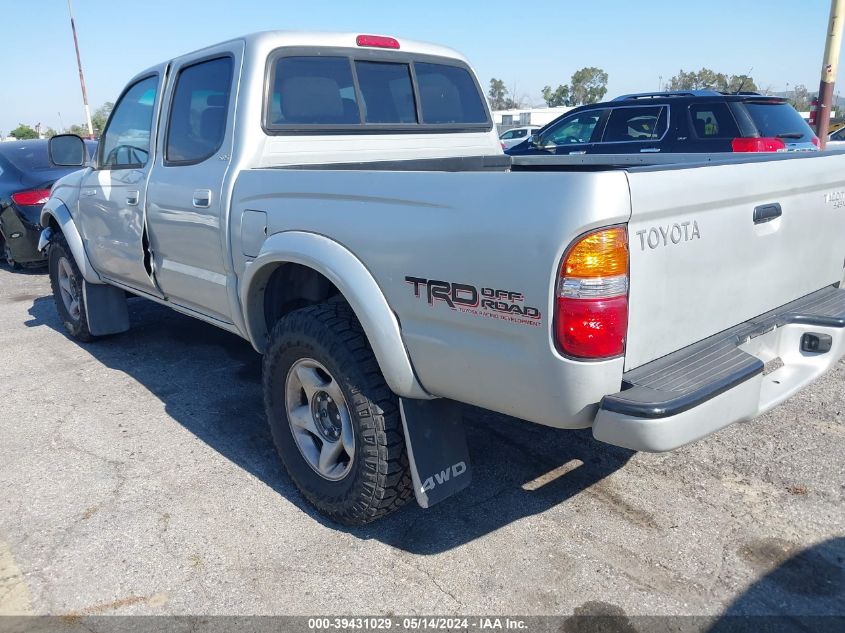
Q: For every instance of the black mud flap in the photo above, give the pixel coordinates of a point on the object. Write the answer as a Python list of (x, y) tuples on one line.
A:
[(106, 309), (437, 448)]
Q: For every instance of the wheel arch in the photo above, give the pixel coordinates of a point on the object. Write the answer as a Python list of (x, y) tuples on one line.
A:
[(346, 273), (56, 217)]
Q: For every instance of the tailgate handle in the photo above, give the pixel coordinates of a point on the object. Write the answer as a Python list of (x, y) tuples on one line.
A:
[(767, 213)]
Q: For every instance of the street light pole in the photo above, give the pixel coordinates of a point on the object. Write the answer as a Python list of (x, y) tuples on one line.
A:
[(833, 43), (81, 76)]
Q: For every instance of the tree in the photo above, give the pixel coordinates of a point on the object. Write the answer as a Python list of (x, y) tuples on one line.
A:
[(23, 131), (498, 94), (100, 117), (707, 79), (743, 83), (801, 98), (50, 133), (588, 85), (556, 98), (78, 129)]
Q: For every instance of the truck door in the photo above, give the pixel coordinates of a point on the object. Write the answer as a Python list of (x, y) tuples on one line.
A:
[(112, 195), (185, 201)]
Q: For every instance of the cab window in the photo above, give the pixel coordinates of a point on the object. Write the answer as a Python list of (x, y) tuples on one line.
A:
[(197, 121), (578, 128), (713, 121), (387, 94), (635, 124), (313, 91), (126, 142)]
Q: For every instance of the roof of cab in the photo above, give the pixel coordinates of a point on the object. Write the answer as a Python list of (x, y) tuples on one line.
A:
[(277, 39)]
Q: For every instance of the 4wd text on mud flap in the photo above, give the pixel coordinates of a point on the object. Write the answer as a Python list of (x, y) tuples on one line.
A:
[(455, 470)]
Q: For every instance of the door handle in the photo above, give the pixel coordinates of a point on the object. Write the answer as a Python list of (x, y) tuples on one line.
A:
[(89, 192), (131, 198), (202, 198), (650, 150), (767, 213)]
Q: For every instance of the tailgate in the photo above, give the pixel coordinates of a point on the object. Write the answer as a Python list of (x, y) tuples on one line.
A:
[(714, 246)]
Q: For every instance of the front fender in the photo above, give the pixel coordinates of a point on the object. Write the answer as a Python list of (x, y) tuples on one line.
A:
[(56, 210), (355, 283)]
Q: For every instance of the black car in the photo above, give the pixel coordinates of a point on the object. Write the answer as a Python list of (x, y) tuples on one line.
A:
[(26, 175), (699, 121)]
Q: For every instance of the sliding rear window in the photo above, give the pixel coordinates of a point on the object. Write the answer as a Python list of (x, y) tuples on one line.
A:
[(337, 92)]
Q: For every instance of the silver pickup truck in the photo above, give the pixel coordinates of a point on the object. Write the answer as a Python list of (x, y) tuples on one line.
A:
[(342, 203)]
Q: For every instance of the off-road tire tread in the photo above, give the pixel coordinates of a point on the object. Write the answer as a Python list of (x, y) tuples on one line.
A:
[(386, 484)]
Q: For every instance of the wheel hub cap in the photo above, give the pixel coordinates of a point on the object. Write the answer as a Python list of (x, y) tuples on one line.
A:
[(67, 290), (326, 416), (320, 420)]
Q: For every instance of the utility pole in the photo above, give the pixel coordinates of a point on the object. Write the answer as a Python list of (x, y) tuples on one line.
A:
[(81, 76), (829, 67)]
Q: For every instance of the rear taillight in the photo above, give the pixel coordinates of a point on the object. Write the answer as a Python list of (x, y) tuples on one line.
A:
[(591, 306), (377, 41), (761, 144), (816, 141), (31, 197)]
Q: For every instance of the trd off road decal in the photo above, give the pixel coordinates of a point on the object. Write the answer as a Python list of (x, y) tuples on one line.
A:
[(505, 305)]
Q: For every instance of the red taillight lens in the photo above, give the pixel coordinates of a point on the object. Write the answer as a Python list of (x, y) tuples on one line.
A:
[(377, 41), (31, 197), (591, 306), (592, 328), (762, 144), (816, 141)]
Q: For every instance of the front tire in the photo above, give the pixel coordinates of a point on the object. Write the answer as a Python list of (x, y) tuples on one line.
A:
[(66, 282), (334, 420)]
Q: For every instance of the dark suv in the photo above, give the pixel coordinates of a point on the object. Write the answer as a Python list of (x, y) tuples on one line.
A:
[(675, 122)]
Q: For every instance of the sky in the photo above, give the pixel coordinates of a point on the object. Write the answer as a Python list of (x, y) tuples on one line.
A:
[(527, 44)]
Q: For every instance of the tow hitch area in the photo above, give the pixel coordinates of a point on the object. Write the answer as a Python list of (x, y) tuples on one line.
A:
[(437, 449)]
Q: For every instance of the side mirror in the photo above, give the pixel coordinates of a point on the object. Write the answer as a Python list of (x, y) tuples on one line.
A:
[(67, 150), (534, 141)]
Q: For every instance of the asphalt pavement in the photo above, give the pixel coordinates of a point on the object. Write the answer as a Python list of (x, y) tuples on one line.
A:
[(138, 476)]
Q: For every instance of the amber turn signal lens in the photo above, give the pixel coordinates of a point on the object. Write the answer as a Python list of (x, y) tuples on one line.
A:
[(603, 253)]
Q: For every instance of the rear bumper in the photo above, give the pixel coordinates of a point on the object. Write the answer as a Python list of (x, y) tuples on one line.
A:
[(21, 236), (730, 377)]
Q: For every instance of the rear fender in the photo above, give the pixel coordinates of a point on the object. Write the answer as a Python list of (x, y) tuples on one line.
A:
[(355, 283), (56, 210)]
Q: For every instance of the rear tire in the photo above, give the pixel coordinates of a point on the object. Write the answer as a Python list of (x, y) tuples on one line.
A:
[(319, 368), (66, 282)]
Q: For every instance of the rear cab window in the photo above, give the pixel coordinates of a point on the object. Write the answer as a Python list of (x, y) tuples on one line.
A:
[(776, 119), (354, 91)]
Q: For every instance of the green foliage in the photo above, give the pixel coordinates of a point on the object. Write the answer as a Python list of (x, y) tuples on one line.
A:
[(100, 117), (23, 131), (497, 94), (557, 97), (801, 98), (707, 79), (588, 85)]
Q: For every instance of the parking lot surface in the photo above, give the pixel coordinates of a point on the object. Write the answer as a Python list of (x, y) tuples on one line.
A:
[(137, 475)]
